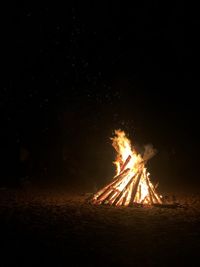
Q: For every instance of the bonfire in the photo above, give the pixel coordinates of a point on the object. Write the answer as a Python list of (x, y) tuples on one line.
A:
[(131, 185)]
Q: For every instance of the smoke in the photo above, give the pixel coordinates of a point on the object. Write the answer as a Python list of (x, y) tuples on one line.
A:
[(149, 152)]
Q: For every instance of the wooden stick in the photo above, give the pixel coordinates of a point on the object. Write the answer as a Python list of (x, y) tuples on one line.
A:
[(114, 196), (136, 186), (125, 163), (158, 199), (140, 192), (149, 189), (100, 194), (104, 196), (153, 195), (129, 192), (109, 192), (143, 200), (120, 199), (122, 194)]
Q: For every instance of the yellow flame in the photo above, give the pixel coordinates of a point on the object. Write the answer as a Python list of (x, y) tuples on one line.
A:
[(123, 147)]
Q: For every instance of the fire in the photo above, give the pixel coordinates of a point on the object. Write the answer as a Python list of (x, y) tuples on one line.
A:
[(131, 184)]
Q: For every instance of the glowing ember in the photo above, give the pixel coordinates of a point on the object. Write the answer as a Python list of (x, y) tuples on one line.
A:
[(131, 184)]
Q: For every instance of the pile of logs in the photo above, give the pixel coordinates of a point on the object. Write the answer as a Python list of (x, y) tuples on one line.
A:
[(127, 188)]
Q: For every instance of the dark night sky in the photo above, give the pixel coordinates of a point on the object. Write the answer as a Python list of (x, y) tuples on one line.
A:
[(72, 74)]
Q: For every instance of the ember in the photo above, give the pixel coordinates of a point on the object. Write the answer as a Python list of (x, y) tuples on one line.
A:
[(131, 184)]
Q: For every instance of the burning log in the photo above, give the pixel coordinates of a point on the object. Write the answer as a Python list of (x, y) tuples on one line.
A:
[(102, 194), (134, 191), (115, 180), (140, 192), (119, 193), (143, 200), (150, 193), (157, 198), (119, 201), (125, 163), (128, 195), (122, 196), (132, 184)]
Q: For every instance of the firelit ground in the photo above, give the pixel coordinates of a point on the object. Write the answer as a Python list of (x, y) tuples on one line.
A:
[(48, 228)]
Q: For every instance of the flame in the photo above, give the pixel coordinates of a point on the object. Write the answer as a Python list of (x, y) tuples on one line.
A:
[(131, 184)]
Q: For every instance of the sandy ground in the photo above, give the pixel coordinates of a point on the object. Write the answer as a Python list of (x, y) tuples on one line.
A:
[(51, 228)]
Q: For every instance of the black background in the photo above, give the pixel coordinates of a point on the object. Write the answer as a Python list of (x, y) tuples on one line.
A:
[(74, 73)]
